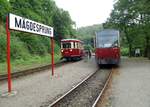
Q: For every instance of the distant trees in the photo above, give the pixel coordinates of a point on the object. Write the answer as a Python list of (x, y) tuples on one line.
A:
[(87, 34), (132, 17), (43, 11)]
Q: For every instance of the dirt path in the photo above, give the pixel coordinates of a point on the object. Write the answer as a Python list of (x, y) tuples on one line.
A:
[(130, 85)]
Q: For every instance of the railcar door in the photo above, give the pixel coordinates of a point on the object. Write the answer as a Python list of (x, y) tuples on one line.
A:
[(75, 48)]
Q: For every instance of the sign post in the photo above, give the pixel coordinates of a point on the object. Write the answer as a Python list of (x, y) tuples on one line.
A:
[(52, 55), (14, 22), (8, 55)]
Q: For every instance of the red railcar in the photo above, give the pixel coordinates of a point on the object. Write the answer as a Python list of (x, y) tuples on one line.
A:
[(107, 47), (71, 49)]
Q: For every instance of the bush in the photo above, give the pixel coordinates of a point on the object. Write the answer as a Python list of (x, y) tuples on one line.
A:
[(88, 47), (2, 48), (24, 46), (33, 43), (56, 49), (18, 49), (124, 51)]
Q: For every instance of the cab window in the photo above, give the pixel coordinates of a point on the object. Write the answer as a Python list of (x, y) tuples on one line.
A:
[(66, 45)]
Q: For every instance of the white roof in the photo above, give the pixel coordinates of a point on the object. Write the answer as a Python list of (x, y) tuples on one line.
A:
[(70, 39)]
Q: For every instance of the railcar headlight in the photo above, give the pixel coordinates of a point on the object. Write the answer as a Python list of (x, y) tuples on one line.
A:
[(62, 50)]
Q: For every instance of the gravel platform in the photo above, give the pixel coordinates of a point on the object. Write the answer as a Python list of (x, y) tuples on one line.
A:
[(37, 89), (131, 84)]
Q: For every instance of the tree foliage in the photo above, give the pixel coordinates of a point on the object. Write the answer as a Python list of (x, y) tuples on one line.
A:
[(43, 11), (4, 9), (132, 17), (87, 33)]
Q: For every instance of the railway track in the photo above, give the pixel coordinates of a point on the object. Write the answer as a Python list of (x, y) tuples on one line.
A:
[(85, 93), (32, 70), (98, 99)]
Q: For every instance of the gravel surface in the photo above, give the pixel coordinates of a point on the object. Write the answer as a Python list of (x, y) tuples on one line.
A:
[(86, 94), (131, 84), (37, 89)]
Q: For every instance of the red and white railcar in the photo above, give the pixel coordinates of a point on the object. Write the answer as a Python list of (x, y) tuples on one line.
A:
[(107, 47), (72, 49)]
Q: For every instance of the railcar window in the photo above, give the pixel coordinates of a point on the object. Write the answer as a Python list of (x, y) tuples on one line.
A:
[(107, 41), (79, 45), (76, 45), (66, 45)]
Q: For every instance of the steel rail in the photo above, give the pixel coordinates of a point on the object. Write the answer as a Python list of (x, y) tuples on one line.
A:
[(104, 88), (71, 90), (30, 71)]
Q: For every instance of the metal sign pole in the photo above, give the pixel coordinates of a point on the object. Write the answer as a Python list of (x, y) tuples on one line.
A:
[(13, 23), (52, 54), (8, 55)]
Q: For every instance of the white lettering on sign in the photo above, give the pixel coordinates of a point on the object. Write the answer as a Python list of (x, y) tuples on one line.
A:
[(27, 25)]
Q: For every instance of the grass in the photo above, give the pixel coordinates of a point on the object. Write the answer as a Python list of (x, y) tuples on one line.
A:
[(32, 62)]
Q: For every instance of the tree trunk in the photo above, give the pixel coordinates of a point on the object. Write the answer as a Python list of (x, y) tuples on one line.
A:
[(147, 48), (147, 43), (130, 49), (128, 40), (1, 24), (149, 52)]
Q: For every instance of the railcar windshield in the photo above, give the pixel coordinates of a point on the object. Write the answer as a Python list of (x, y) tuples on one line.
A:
[(107, 39), (66, 45)]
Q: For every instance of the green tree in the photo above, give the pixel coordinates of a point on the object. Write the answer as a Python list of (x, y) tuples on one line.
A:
[(63, 25), (4, 9), (87, 34), (43, 11), (133, 19)]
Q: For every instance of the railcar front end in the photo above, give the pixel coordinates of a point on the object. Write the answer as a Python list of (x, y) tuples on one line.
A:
[(107, 47), (71, 49)]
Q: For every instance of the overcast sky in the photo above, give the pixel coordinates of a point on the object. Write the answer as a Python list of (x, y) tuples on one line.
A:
[(87, 12)]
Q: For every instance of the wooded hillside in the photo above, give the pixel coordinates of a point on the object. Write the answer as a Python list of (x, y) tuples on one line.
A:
[(87, 33), (24, 45)]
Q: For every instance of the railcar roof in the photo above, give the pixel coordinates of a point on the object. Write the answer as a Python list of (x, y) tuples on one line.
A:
[(108, 30), (65, 40)]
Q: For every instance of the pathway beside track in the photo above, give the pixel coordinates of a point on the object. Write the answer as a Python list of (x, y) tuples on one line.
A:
[(130, 85), (37, 89)]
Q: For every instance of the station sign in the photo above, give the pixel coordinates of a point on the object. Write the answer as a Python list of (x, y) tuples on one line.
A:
[(26, 25)]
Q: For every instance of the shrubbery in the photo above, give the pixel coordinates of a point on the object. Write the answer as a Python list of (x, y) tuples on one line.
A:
[(18, 48), (25, 46), (2, 48), (124, 52), (88, 47), (34, 44)]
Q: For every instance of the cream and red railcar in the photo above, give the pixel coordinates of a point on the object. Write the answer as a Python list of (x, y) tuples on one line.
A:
[(72, 49)]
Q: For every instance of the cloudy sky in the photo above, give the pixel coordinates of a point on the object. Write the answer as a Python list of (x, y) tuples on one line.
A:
[(87, 12)]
